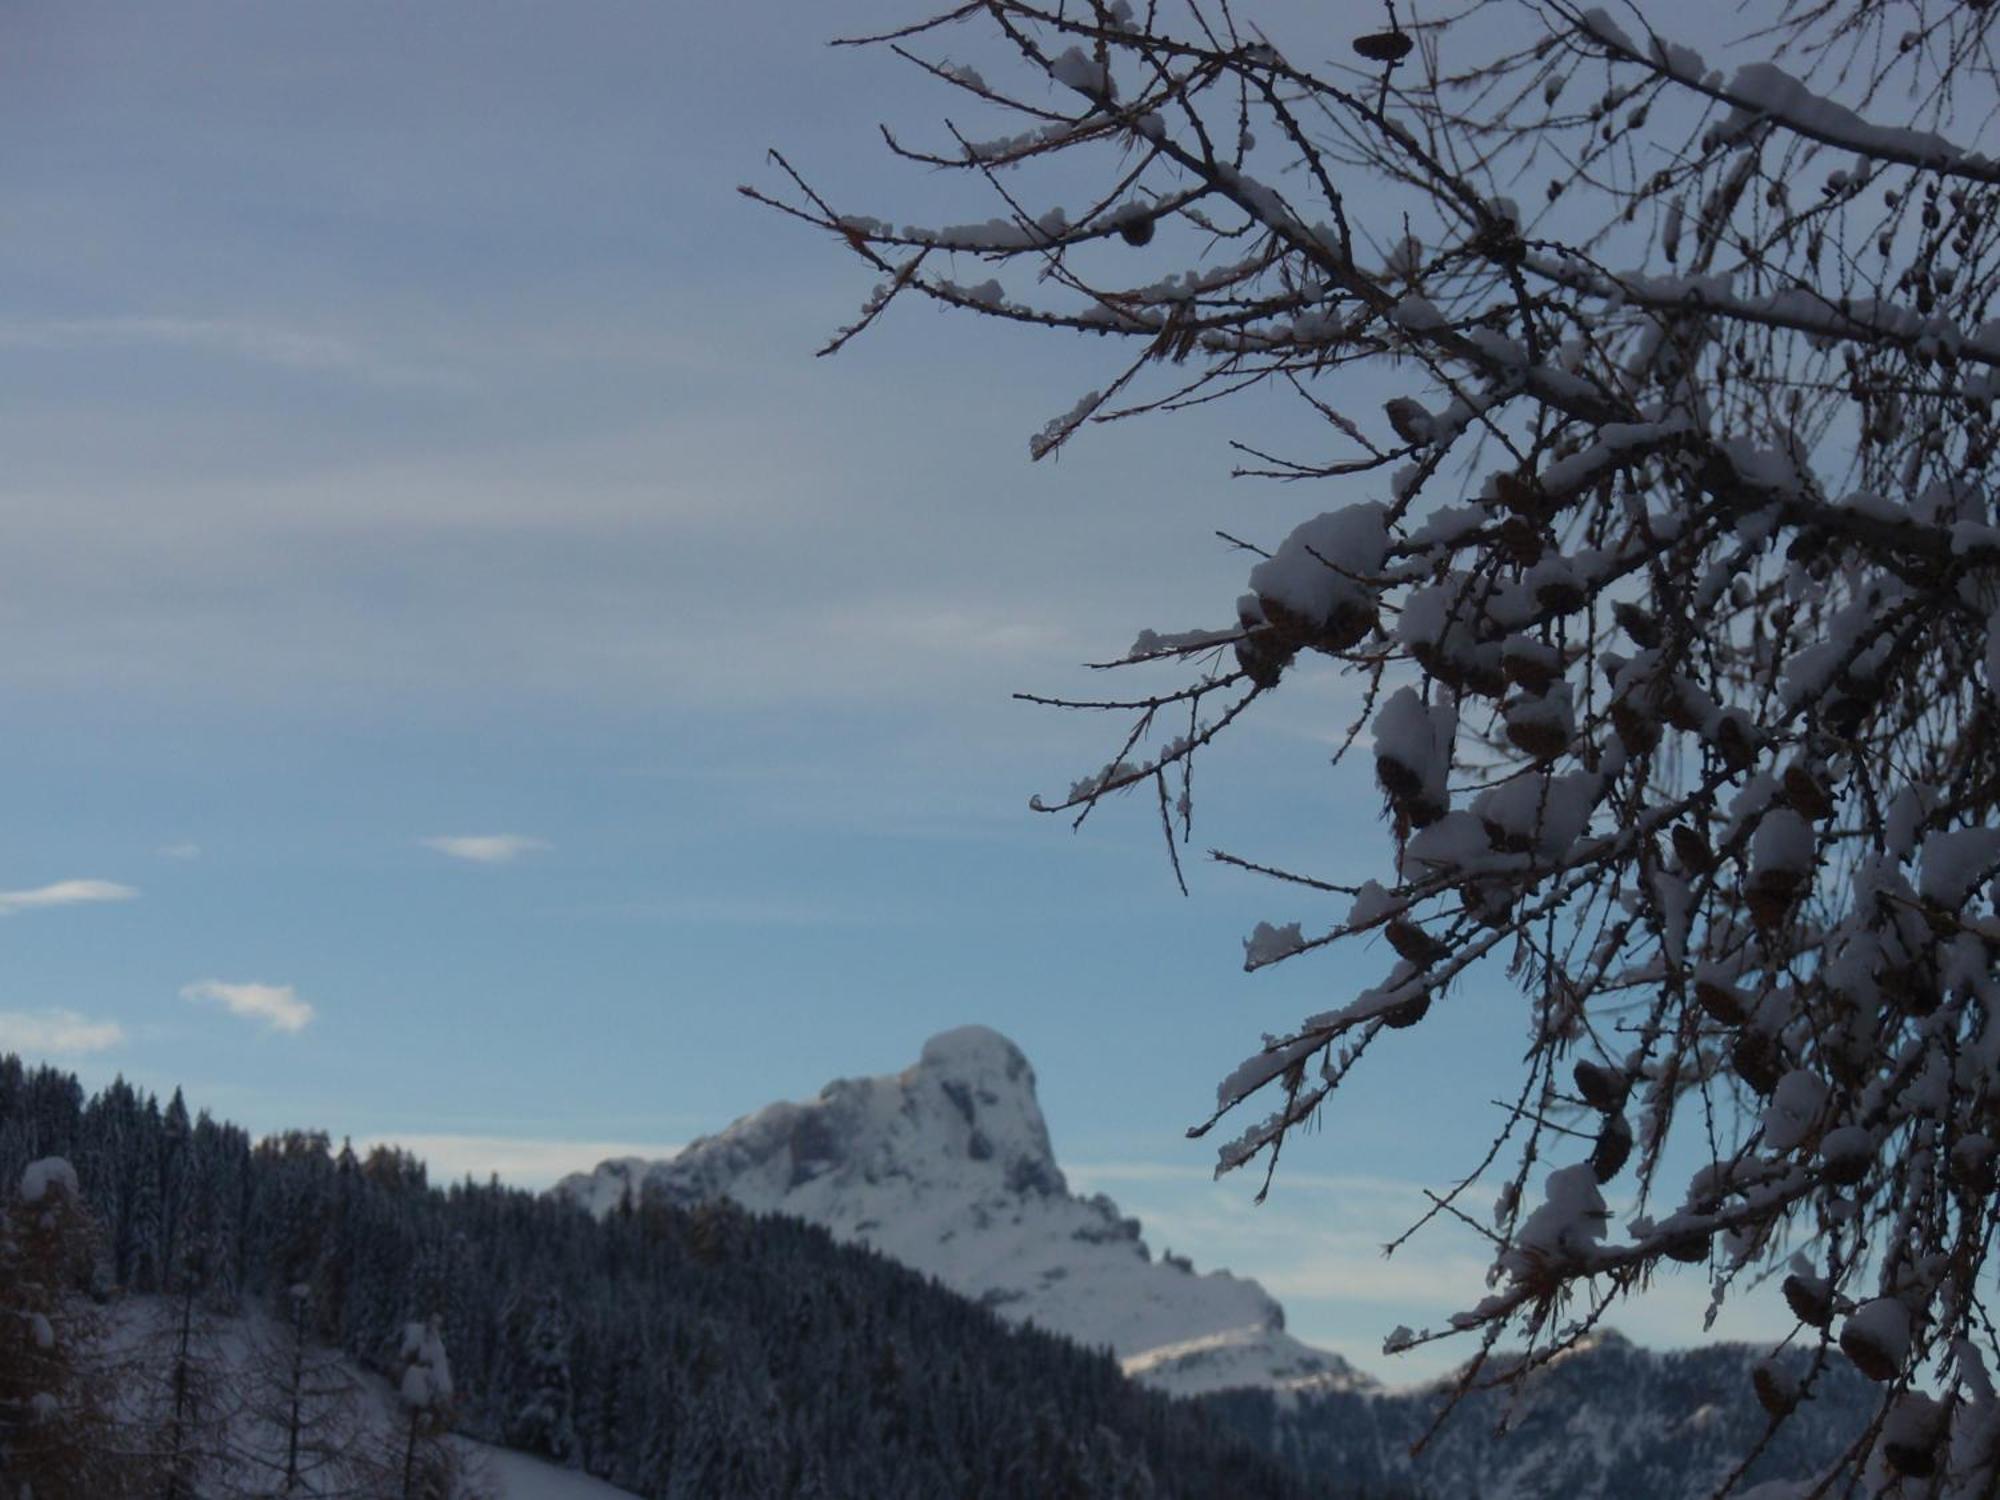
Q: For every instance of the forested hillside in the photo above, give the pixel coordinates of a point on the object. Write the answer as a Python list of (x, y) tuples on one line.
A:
[(1606, 1421), (672, 1352)]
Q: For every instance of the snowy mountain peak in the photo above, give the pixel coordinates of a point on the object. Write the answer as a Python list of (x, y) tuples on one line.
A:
[(970, 1052), (947, 1167), (963, 1121), (989, 1082)]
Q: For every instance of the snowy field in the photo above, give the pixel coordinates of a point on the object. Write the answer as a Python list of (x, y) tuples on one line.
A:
[(232, 1357), (514, 1476)]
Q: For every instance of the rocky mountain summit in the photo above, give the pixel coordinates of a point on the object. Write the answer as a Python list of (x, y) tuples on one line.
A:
[(947, 1167)]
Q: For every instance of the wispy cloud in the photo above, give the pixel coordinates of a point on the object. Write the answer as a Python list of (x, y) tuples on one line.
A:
[(518, 1161), (278, 1006), (1353, 1187), (485, 848), (187, 849), (63, 893), (722, 909), (249, 342), (56, 1032)]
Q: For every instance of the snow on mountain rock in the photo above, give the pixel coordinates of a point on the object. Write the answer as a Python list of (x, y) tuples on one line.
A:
[(947, 1167)]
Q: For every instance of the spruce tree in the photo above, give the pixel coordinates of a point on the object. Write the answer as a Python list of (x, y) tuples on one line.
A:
[(543, 1419)]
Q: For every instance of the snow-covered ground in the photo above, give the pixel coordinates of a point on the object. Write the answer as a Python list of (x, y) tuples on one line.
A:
[(515, 1476), (947, 1167), (364, 1417)]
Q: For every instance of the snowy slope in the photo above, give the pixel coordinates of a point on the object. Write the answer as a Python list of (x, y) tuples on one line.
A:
[(515, 1476), (947, 1167), (369, 1419)]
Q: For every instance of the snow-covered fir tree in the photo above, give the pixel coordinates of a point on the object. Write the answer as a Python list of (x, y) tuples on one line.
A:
[(427, 1469), (538, 1332), (1669, 569)]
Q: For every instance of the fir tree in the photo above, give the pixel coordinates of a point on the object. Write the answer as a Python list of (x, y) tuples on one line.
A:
[(427, 1470), (538, 1337)]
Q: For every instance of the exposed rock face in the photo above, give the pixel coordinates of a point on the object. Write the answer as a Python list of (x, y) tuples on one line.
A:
[(948, 1168)]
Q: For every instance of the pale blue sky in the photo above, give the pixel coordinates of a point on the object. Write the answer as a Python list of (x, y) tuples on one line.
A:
[(410, 434)]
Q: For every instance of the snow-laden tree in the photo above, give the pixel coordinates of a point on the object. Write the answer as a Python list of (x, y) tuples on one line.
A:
[(1668, 570), (428, 1468), (538, 1347), (59, 1432)]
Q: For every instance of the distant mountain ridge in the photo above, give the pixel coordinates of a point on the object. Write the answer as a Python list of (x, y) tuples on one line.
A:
[(948, 1168), (1606, 1420)]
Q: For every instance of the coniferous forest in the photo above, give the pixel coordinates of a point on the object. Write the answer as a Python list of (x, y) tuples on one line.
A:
[(671, 1352)]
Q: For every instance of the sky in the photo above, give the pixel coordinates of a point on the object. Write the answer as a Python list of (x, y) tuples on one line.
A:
[(472, 677)]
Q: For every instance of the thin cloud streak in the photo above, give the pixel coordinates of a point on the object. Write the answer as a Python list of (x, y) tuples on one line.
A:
[(750, 910), (278, 1006), (267, 344), (1164, 1171), (64, 893), (523, 1162), (56, 1033), (486, 848)]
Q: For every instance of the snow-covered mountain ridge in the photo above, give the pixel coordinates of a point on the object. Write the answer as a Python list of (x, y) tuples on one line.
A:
[(947, 1167)]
